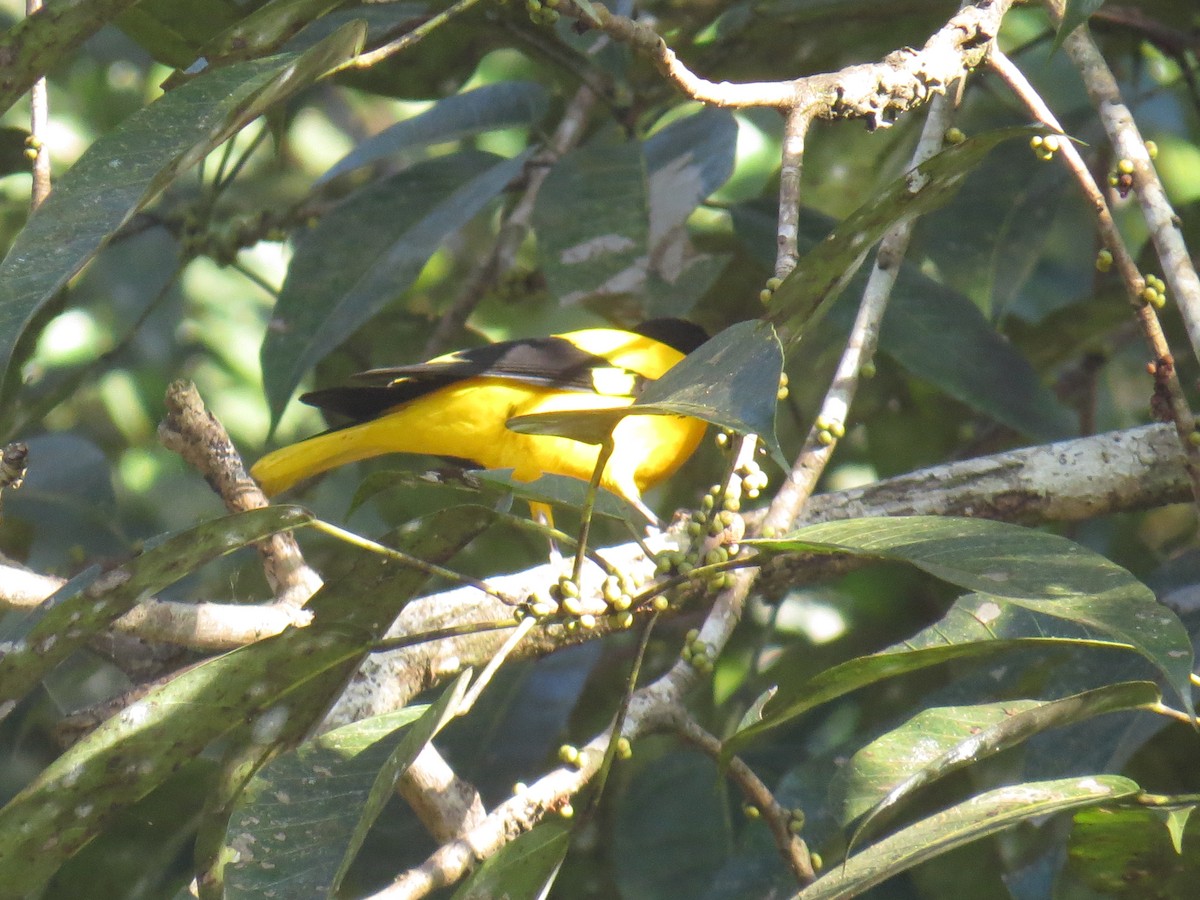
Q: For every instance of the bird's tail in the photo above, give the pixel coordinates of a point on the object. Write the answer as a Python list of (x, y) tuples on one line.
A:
[(282, 468)]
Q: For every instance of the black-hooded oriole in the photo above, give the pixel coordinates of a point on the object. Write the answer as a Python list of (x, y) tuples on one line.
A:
[(458, 405)]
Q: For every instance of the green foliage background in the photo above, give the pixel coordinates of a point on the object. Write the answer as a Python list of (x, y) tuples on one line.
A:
[(354, 210)]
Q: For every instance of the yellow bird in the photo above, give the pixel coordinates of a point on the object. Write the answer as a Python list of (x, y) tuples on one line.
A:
[(458, 405)]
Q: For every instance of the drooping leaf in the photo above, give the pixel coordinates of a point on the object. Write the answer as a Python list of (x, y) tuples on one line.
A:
[(285, 681), (42, 638), (592, 221), (822, 273), (365, 253), (1086, 602), (126, 169), (1045, 572), (507, 104), (935, 742), (732, 381), (303, 817), (968, 821), (524, 867)]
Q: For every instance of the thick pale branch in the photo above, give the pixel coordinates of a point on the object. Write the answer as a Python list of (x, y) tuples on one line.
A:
[(1070, 481), (877, 92)]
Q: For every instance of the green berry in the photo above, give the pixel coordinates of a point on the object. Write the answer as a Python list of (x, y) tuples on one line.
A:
[(1125, 166), (954, 136), (1104, 260)]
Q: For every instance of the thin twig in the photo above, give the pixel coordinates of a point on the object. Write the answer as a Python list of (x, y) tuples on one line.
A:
[(195, 434), (787, 232), (39, 114), (406, 40), (860, 347), (778, 819), (1127, 142), (1126, 267)]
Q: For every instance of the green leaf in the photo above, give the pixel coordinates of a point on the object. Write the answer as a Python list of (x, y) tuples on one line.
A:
[(38, 42), (284, 682), (524, 867), (671, 832), (732, 382), (1176, 821), (1075, 13), (126, 169), (303, 817), (1126, 852), (687, 160), (936, 742), (823, 272), (1044, 572), (507, 104), (42, 638), (265, 30), (937, 334), (173, 31), (969, 821), (940, 336), (592, 221), (365, 253)]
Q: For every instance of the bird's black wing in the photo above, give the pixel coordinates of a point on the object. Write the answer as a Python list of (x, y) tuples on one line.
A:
[(550, 361)]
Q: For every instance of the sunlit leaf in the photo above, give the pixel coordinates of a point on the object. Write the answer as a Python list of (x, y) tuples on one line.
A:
[(935, 742), (1044, 590), (971, 820), (524, 867), (592, 221), (1048, 573), (125, 170)]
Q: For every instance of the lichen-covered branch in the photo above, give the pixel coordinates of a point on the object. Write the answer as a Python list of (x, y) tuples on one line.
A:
[(876, 92)]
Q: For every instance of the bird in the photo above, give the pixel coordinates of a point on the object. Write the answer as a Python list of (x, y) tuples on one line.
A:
[(458, 405)]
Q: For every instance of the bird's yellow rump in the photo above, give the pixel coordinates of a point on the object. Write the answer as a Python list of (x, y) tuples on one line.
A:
[(458, 405)]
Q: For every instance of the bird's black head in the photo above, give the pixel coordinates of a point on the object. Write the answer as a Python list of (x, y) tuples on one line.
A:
[(684, 336)]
